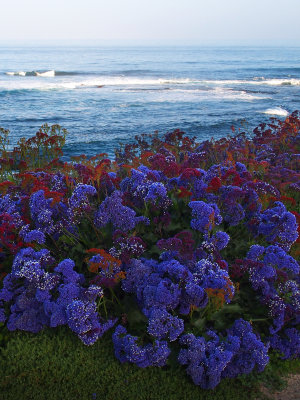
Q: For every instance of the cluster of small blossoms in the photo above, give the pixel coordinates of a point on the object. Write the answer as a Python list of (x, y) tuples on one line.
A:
[(122, 217), (47, 217), (37, 298), (267, 268), (9, 206), (127, 349), (205, 216), (278, 226), (10, 222), (107, 267), (208, 361), (79, 199), (289, 345), (127, 247), (168, 286)]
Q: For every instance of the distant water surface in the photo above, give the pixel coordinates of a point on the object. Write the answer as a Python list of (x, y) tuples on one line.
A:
[(106, 95)]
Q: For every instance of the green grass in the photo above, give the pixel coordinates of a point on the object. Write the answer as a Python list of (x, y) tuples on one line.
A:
[(55, 365)]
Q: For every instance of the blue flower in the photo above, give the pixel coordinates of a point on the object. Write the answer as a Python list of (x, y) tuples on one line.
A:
[(66, 268), (205, 215), (79, 198), (122, 217), (288, 345), (279, 226), (35, 236), (127, 349), (162, 324)]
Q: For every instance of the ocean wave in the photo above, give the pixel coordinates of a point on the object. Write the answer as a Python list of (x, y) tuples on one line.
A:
[(49, 73), (230, 94), (126, 81), (19, 73), (183, 81), (46, 74), (134, 83), (122, 80), (94, 82), (31, 73), (282, 82), (162, 93), (277, 111), (257, 81)]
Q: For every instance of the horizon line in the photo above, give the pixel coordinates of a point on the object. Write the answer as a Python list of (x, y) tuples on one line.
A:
[(153, 42)]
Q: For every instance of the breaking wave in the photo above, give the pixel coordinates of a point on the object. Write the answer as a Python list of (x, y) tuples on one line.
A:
[(277, 111), (257, 81), (49, 73)]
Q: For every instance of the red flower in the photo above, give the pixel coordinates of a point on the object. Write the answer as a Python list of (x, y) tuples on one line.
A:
[(214, 185)]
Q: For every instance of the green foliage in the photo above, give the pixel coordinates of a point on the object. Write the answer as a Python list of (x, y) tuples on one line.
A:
[(39, 151)]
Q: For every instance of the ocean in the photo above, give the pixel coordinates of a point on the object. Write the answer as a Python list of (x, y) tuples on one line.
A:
[(106, 95)]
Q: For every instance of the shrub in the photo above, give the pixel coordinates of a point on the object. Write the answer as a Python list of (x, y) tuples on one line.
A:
[(188, 251)]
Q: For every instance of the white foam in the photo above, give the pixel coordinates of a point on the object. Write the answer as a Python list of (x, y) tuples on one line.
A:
[(46, 74), (34, 81), (255, 81), (197, 95), (281, 82), (20, 73), (277, 111), (175, 81), (121, 81), (231, 94), (33, 84)]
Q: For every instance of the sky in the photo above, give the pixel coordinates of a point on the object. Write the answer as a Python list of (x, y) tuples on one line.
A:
[(152, 21)]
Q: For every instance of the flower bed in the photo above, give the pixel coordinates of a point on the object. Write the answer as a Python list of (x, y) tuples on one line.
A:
[(187, 252)]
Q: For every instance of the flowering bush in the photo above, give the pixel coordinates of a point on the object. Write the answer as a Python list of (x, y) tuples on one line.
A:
[(179, 247)]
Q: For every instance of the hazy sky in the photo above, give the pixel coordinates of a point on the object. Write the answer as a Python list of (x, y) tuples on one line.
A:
[(195, 21)]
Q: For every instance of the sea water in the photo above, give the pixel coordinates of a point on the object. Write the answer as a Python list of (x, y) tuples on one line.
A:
[(106, 95)]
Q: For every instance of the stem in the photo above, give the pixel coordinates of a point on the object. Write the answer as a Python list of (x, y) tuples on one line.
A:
[(114, 296), (94, 228)]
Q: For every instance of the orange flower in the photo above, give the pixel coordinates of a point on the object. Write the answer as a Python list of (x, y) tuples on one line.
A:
[(107, 263)]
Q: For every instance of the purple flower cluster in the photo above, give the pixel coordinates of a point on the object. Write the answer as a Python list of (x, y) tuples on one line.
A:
[(162, 324), (121, 217), (232, 210), (79, 201), (10, 207), (39, 298), (105, 275), (34, 235), (80, 195), (220, 240), (82, 318), (145, 185), (209, 275), (208, 361), (288, 344), (278, 226), (169, 285), (156, 192), (127, 349), (126, 247), (267, 267), (47, 218), (41, 212), (205, 216), (58, 182)]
